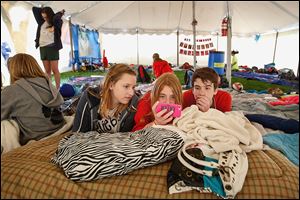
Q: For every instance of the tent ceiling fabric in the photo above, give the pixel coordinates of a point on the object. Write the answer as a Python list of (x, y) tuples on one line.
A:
[(248, 17)]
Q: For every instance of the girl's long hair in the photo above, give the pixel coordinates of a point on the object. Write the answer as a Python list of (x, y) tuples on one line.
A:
[(24, 65), (166, 79), (50, 14), (114, 75)]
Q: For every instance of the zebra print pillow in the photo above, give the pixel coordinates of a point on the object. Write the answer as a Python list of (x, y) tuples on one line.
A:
[(90, 156)]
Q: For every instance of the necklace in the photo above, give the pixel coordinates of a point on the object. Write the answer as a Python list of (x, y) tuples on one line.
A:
[(112, 112)]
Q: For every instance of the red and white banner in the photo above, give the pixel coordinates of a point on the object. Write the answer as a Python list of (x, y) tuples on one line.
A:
[(203, 46)]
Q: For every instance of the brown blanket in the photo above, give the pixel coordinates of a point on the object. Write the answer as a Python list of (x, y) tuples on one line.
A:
[(26, 172)]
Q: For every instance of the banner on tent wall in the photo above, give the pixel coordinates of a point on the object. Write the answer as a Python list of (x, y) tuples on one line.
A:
[(85, 44), (203, 46), (88, 43)]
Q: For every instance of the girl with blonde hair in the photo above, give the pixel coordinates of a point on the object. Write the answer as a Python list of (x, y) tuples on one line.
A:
[(111, 106), (167, 89), (31, 100)]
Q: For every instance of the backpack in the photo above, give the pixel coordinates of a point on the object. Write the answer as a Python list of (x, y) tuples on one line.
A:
[(224, 82), (286, 74), (143, 76)]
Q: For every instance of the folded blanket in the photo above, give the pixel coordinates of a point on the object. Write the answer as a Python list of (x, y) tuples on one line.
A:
[(276, 123), (90, 156), (288, 144)]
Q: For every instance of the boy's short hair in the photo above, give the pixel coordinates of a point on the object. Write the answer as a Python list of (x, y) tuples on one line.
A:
[(206, 74)]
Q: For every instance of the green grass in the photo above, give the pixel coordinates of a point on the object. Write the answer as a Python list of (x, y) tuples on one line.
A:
[(65, 76), (180, 75), (258, 85), (248, 84)]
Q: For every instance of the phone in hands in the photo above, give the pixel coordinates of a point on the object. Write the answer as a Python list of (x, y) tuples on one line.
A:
[(174, 107)]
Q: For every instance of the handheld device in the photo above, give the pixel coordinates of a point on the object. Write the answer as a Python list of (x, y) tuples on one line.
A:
[(175, 107)]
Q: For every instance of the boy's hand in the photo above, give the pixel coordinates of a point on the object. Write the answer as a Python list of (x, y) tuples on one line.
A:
[(203, 103)]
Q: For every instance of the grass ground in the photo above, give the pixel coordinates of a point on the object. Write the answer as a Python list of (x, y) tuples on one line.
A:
[(248, 84)]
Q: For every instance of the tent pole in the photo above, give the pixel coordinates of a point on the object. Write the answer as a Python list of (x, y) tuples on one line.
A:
[(228, 70), (71, 43), (177, 47), (298, 70), (217, 41), (137, 47), (229, 35), (194, 23), (275, 46)]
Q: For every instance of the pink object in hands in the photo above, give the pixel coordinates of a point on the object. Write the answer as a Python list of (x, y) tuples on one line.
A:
[(174, 107)]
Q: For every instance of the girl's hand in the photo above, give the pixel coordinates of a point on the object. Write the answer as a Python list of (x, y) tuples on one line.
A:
[(51, 29), (163, 117)]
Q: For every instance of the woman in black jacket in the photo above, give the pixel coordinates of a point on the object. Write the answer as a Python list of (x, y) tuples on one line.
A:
[(48, 39), (111, 107)]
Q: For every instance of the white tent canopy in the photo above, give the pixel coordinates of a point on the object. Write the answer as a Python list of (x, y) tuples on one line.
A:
[(157, 18), (249, 17)]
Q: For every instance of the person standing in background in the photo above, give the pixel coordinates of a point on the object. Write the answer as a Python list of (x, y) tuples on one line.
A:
[(234, 61), (160, 66), (48, 39), (104, 61)]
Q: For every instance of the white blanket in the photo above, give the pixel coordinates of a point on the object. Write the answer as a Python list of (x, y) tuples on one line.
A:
[(223, 131), (10, 133)]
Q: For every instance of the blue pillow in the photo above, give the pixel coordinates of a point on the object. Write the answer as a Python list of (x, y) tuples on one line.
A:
[(67, 90)]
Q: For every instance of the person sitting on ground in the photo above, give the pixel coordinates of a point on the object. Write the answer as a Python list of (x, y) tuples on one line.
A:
[(111, 107), (205, 93), (160, 66), (31, 100), (167, 89)]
